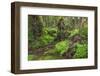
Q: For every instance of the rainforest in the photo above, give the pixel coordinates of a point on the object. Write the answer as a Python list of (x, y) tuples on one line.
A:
[(57, 37)]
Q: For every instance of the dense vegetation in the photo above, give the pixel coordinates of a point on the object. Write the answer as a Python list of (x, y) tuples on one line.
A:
[(57, 37)]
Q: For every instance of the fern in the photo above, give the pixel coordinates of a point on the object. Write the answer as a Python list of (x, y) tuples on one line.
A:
[(81, 51), (46, 39), (62, 46), (74, 32)]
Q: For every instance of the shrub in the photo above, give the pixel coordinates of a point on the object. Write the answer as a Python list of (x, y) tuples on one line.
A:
[(50, 31), (45, 39), (62, 46), (74, 32), (81, 51)]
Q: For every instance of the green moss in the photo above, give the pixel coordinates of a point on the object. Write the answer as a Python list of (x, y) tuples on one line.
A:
[(30, 57)]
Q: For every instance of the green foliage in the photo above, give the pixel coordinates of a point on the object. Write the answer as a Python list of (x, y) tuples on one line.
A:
[(50, 51), (74, 32), (50, 55), (46, 39), (30, 37), (81, 51), (48, 35), (50, 30), (54, 36), (37, 44), (30, 57), (46, 57), (84, 32), (62, 46)]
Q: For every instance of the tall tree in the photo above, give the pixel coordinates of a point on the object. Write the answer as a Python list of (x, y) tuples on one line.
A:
[(37, 25)]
